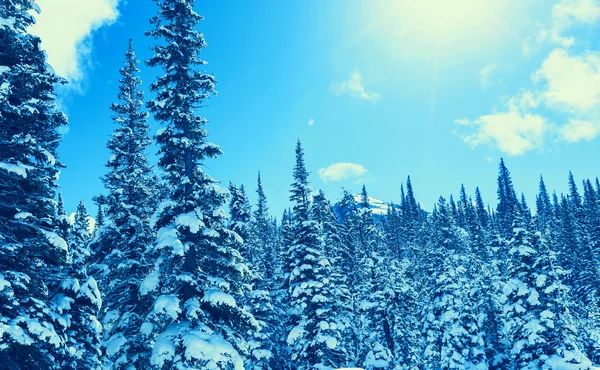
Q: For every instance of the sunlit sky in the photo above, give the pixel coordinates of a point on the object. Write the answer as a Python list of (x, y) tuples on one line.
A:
[(375, 90)]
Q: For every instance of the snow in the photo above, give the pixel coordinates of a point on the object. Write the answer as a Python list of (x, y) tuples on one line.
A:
[(163, 350), (217, 297), (18, 168), (191, 221), (330, 341), (210, 348), (167, 304), (296, 333), (169, 237), (201, 345), (23, 215), (146, 328), (114, 343), (90, 290), (150, 283), (55, 239), (7, 22), (3, 283)]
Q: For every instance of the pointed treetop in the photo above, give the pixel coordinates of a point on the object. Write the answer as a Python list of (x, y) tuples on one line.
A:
[(364, 197)]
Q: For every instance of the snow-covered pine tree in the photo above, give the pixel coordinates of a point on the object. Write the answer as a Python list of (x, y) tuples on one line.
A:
[(482, 214), (341, 305), (264, 236), (315, 332), (240, 221), (374, 324), (537, 321), (581, 262), (63, 221), (120, 245), (80, 297), (99, 217), (80, 238), (451, 323), (31, 249), (258, 301), (507, 201), (198, 275), (543, 214)]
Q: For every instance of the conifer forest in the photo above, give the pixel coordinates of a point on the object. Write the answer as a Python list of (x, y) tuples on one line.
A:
[(183, 271)]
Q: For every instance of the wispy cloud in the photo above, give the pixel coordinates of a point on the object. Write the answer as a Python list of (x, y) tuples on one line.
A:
[(484, 75), (355, 88), (565, 86), (341, 171), (572, 82), (512, 132), (577, 130), (66, 27)]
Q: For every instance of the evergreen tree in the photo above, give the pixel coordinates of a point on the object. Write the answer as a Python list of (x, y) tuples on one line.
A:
[(482, 213), (198, 273), (240, 218), (99, 217), (538, 323), (452, 326), (119, 248), (63, 221), (315, 332), (79, 238), (32, 251), (543, 208), (264, 232), (507, 201)]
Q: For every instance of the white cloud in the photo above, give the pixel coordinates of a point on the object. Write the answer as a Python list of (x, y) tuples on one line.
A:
[(355, 88), (566, 87), (511, 132), (566, 13), (311, 122), (66, 26), (341, 171), (484, 75), (572, 82), (578, 130)]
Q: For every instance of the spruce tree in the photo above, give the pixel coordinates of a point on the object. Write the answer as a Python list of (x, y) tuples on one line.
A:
[(198, 275), (264, 236), (32, 250), (452, 326), (315, 331), (538, 324), (507, 201), (119, 248)]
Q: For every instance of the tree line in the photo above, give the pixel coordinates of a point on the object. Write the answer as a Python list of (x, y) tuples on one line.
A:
[(168, 279)]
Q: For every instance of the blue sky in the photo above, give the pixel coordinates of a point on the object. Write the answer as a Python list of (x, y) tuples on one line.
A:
[(376, 91)]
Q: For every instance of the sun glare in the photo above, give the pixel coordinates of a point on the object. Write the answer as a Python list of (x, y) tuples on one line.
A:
[(456, 24)]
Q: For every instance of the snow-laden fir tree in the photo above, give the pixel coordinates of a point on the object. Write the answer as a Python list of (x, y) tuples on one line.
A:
[(507, 201), (80, 238), (240, 218), (264, 238), (31, 249), (314, 329), (341, 304), (198, 274), (120, 245), (64, 222), (374, 323), (538, 324), (451, 322), (258, 301)]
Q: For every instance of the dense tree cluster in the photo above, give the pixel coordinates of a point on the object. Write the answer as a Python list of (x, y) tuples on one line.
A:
[(167, 279)]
